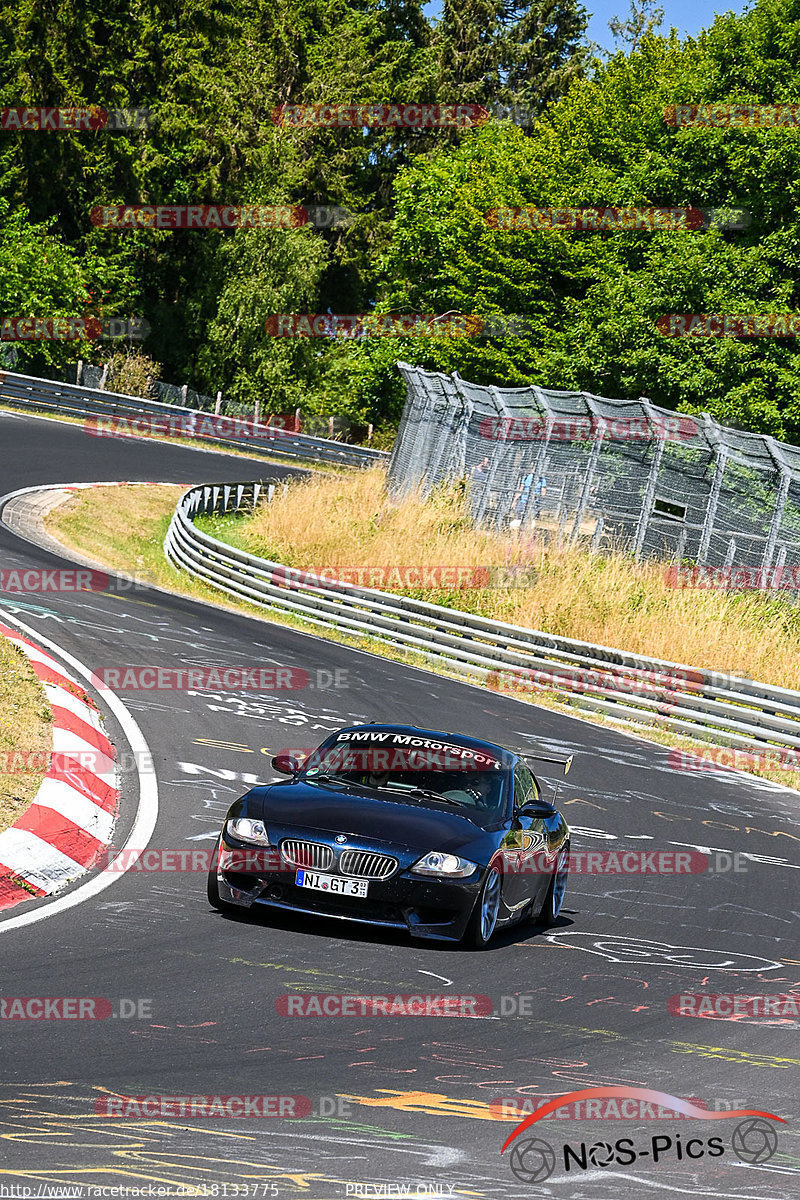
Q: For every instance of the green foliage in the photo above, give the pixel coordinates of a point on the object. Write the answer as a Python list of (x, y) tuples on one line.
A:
[(419, 241), (593, 299), (132, 373)]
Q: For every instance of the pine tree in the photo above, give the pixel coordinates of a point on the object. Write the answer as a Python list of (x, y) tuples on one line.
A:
[(468, 47), (544, 50)]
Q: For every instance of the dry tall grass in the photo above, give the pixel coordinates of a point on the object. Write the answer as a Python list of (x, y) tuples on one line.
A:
[(25, 730), (349, 522)]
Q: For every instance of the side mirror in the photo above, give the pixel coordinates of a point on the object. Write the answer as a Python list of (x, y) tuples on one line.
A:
[(535, 808), (285, 764)]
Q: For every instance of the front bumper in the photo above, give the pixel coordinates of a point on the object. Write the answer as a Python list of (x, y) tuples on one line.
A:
[(424, 907)]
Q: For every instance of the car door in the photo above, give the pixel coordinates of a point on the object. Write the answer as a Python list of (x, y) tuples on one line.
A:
[(526, 845)]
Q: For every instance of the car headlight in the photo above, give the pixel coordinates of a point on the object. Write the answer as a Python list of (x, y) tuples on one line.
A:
[(445, 866), (245, 829)]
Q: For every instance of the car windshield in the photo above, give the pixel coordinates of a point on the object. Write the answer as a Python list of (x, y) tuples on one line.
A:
[(471, 787)]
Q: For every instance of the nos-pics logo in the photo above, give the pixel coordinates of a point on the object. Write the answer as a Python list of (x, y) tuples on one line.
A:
[(533, 1159)]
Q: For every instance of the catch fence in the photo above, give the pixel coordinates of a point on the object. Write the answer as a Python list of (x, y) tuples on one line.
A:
[(620, 473)]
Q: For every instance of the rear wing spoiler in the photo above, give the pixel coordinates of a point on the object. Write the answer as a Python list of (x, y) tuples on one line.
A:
[(527, 754)]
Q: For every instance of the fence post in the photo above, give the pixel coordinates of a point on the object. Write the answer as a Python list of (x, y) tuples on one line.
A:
[(681, 548), (184, 390), (79, 373), (780, 563), (600, 433), (721, 458), (218, 405), (257, 411), (538, 466), (102, 385), (598, 533), (649, 498), (780, 501)]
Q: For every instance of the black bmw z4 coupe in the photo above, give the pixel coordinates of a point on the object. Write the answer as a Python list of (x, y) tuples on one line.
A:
[(442, 835)]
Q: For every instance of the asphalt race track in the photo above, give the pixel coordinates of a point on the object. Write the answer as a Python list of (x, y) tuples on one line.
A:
[(399, 1104)]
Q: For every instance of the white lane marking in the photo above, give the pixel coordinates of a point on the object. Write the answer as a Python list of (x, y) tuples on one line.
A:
[(443, 978), (146, 814), (36, 860), (76, 807)]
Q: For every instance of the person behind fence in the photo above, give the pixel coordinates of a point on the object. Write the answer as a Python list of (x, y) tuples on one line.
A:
[(519, 504), (541, 492), (480, 470)]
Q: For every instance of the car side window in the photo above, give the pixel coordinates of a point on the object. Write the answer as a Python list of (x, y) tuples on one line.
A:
[(525, 790)]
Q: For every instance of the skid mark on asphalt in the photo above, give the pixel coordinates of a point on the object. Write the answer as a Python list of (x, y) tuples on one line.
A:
[(180, 1154), (430, 1103), (737, 1056)]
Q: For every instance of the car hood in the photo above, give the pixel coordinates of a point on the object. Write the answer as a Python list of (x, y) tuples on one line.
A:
[(298, 806)]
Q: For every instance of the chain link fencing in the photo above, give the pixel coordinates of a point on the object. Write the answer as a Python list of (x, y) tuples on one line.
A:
[(617, 474)]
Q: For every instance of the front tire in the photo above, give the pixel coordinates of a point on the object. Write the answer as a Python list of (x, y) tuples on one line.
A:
[(484, 916)]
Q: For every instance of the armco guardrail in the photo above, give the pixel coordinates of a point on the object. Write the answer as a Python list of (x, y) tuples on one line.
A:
[(48, 395), (697, 703)]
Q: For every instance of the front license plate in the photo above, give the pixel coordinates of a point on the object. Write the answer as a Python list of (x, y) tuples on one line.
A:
[(331, 883)]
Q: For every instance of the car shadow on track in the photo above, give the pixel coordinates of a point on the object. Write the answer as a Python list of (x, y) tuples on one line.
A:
[(330, 929)]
